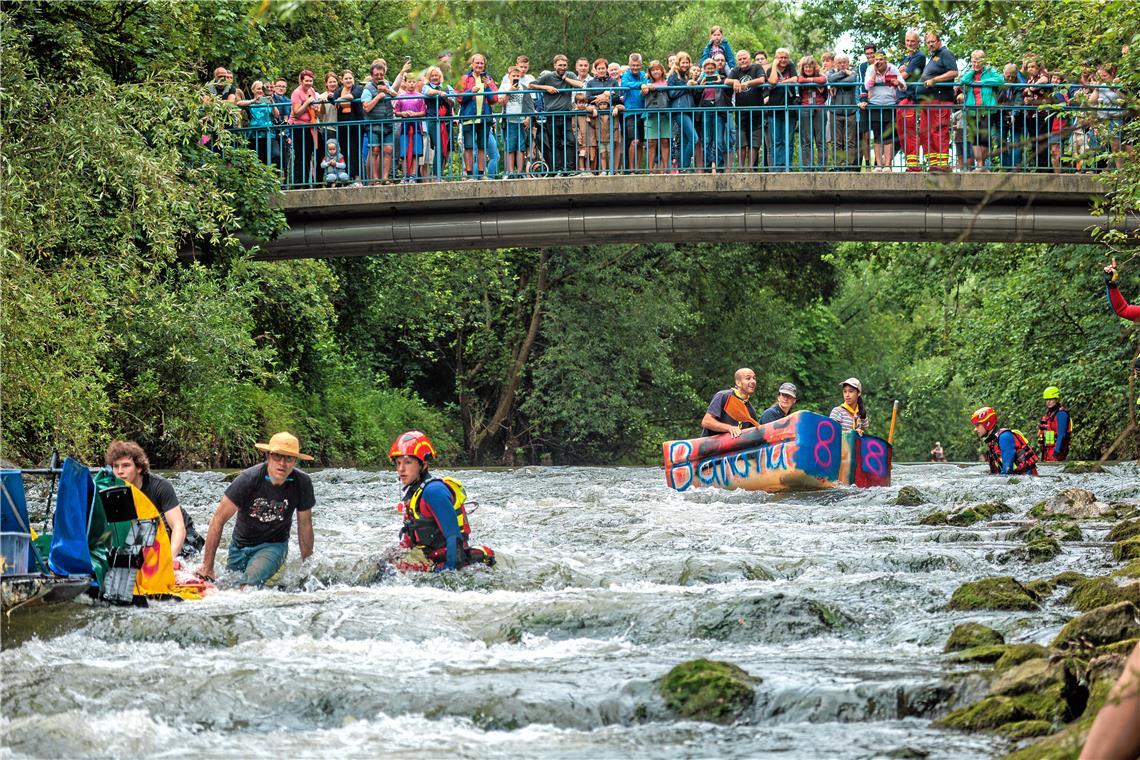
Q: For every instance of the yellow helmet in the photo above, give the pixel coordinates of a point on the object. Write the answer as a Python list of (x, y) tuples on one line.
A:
[(1051, 392)]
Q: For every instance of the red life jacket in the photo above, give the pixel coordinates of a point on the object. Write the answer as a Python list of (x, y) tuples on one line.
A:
[(1047, 435), (1024, 457)]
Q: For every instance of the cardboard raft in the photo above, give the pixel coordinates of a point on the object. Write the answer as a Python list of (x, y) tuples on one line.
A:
[(804, 451)]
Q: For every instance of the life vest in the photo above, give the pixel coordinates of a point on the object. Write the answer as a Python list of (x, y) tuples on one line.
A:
[(1024, 457), (1047, 434), (423, 532)]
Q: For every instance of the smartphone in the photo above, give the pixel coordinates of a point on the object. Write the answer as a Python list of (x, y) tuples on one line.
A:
[(407, 59)]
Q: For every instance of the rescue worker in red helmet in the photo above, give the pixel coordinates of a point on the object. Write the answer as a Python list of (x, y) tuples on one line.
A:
[(435, 518), (1008, 451)]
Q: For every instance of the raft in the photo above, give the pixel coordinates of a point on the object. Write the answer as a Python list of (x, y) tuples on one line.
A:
[(804, 451)]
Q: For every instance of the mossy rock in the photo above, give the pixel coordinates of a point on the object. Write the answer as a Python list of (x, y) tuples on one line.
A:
[(987, 714), (1025, 729), (1041, 588), (1124, 530), (1063, 529), (1015, 654), (955, 537), (970, 635), (1104, 625), (1068, 578), (987, 654), (1098, 592), (934, 518), (909, 496), (718, 692), (1082, 468), (1029, 677), (1131, 570), (978, 512), (1066, 530), (1038, 551), (1128, 549), (1119, 647), (994, 593)]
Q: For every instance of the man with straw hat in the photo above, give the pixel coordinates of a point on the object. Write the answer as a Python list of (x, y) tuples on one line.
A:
[(264, 498)]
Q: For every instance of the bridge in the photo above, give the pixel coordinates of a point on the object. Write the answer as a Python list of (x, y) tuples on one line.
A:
[(592, 210)]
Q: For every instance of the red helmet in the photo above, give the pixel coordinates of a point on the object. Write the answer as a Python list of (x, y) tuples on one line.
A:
[(985, 416), (412, 444)]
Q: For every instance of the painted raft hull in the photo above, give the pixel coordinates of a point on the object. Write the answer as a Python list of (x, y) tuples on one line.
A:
[(804, 451)]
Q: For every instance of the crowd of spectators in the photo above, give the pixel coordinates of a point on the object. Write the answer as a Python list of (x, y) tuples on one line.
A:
[(922, 110)]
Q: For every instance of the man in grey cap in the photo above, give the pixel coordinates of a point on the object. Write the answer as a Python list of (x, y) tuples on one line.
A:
[(785, 400)]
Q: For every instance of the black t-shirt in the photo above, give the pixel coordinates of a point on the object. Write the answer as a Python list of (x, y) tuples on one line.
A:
[(784, 92), (750, 97), (160, 492), (265, 511), (937, 64), (561, 101)]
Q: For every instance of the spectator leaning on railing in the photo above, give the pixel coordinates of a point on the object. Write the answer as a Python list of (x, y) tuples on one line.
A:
[(633, 127), (979, 85), (906, 122), (782, 76), (751, 88), (845, 126), (937, 97), (883, 85)]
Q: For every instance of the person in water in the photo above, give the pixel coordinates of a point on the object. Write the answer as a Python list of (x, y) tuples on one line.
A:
[(785, 400), (1007, 451), (851, 414), (131, 465), (730, 410), (1115, 299), (435, 526), (1055, 428), (264, 498), (936, 453)]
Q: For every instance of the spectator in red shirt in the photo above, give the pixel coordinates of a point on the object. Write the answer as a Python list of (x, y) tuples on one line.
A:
[(1115, 299)]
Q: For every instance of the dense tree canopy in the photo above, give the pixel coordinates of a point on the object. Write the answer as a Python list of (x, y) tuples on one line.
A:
[(577, 354)]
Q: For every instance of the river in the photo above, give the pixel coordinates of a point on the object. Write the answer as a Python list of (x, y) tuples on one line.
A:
[(606, 579)]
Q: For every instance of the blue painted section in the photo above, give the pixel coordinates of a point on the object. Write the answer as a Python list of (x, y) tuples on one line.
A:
[(69, 553)]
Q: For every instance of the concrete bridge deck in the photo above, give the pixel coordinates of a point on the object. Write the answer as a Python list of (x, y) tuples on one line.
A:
[(589, 210)]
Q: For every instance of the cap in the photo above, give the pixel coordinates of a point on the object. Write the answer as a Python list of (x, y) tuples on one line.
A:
[(789, 389), (853, 382)]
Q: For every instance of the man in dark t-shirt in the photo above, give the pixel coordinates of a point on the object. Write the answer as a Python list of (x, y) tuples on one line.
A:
[(751, 87), (785, 400), (910, 69), (560, 150), (264, 498), (730, 410), (130, 464), (937, 95)]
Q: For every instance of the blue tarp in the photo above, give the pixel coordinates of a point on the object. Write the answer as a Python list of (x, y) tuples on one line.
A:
[(69, 552), (14, 509)]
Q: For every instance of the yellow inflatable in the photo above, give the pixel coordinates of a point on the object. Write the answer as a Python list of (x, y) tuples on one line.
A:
[(156, 576)]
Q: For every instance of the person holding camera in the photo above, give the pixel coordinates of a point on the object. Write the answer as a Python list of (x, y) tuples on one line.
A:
[(475, 105), (518, 110), (980, 85), (884, 86)]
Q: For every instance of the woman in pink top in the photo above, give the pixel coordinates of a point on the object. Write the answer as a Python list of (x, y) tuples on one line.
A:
[(411, 107), (304, 99)]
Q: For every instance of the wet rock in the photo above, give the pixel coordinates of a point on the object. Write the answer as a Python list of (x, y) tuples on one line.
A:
[(1025, 729), (1120, 647), (990, 713), (1041, 588), (1124, 530), (708, 690), (1081, 468), (1015, 654), (1077, 503), (1040, 550), (1032, 675), (1129, 549), (907, 753), (993, 593), (934, 518), (1131, 570), (1062, 529), (969, 635), (1098, 592), (909, 496), (1104, 625), (978, 513), (1068, 578), (984, 654)]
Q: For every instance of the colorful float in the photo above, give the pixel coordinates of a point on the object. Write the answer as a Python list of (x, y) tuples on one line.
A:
[(804, 451), (106, 538)]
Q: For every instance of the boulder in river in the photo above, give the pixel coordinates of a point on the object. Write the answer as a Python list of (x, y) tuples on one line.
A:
[(1128, 549), (978, 512), (1037, 689), (1104, 625), (1124, 530), (1098, 592), (718, 692), (909, 496), (1074, 502), (1015, 654), (1131, 570), (968, 635), (1000, 592), (1038, 550), (1077, 467)]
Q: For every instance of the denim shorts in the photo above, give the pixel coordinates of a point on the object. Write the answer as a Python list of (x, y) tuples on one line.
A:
[(381, 134), (475, 134), (257, 564), (518, 138)]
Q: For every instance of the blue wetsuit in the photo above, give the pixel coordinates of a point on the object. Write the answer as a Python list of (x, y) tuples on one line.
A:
[(1062, 432), (1008, 444), (436, 501)]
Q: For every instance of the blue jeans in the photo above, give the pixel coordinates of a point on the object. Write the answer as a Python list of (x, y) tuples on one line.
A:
[(715, 127), (685, 136), (783, 133), (257, 564)]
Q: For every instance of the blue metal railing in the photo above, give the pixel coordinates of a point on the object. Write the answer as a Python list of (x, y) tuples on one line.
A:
[(1056, 133)]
